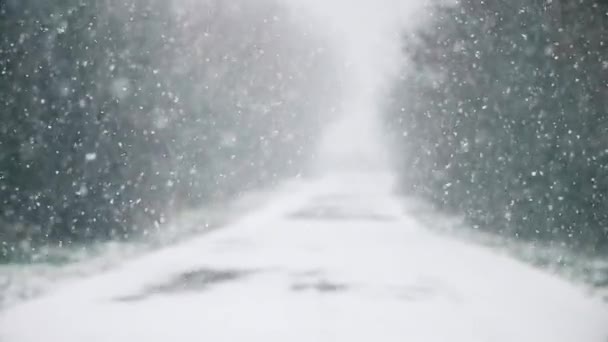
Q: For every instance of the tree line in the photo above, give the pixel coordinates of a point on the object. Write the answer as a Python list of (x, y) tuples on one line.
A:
[(502, 115), (118, 114)]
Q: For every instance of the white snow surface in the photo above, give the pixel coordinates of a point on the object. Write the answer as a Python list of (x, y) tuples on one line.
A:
[(334, 259)]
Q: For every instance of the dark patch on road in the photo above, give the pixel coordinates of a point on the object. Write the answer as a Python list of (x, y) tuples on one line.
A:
[(196, 280), (341, 207), (321, 285), (316, 280), (327, 212)]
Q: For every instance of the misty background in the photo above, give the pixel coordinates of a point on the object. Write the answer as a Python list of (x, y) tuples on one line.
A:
[(118, 117)]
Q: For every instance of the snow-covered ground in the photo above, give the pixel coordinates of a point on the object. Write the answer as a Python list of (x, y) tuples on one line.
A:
[(335, 259)]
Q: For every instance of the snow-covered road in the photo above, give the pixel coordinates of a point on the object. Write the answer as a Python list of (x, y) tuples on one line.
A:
[(328, 260)]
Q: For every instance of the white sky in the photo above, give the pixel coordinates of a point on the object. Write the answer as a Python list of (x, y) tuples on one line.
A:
[(367, 35)]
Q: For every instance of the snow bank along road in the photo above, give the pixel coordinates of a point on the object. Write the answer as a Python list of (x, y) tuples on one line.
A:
[(328, 260)]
